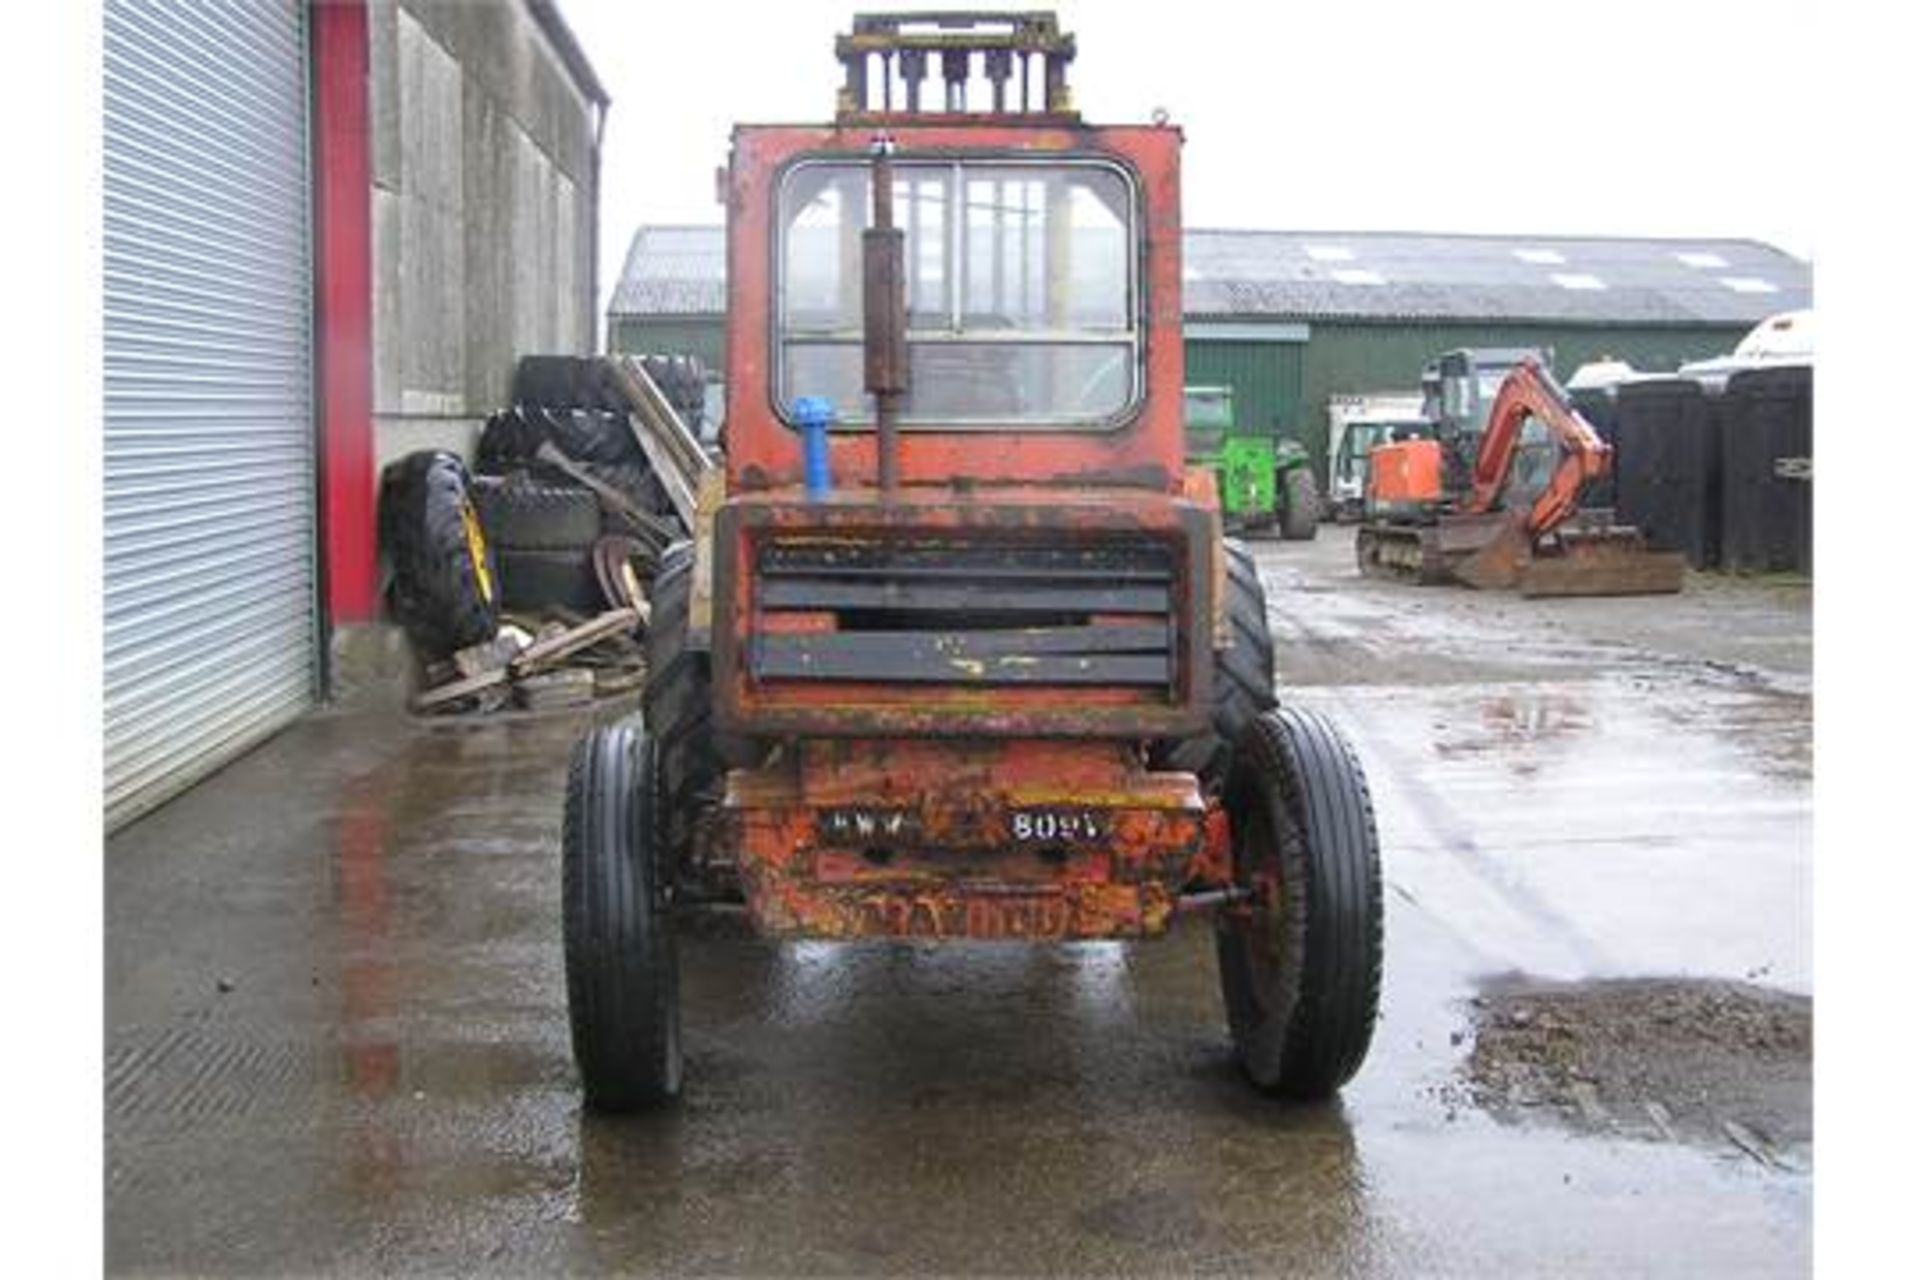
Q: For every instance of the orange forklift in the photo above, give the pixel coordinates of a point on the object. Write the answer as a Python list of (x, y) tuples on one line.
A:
[(1490, 494), (958, 651)]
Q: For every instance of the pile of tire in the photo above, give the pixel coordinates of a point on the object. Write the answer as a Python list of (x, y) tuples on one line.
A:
[(683, 381), (597, 441), (591, 383), (544, 524), (543, 536)]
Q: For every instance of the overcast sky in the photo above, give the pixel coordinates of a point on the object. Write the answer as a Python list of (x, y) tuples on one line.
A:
[(1628, 118)]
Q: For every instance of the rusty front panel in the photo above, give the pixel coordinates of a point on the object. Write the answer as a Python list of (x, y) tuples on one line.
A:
[(965, 839), (987, 702), (1146, 451)]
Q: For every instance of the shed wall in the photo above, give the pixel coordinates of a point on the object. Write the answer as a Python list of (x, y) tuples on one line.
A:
[(484, 205), (1266, 377)]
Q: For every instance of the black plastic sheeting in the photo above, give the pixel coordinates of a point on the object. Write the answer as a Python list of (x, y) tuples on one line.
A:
[(1767, 451), (1668, 468), (1596, 405)]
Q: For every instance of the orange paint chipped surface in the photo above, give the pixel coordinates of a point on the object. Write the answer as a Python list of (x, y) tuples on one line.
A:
[(968, 839)]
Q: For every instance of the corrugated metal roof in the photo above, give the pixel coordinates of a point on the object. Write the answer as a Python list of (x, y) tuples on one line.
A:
[(673, 271), (1371, 275)]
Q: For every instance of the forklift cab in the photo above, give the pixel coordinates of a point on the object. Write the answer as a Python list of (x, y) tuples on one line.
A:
[(1209, 417)]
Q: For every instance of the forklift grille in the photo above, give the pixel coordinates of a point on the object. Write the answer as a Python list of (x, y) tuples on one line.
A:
[(927, 613)]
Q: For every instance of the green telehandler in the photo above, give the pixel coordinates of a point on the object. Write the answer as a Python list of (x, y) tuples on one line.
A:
[(1265, 480)]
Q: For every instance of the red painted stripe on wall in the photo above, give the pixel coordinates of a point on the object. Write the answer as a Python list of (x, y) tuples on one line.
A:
[(343, 237)]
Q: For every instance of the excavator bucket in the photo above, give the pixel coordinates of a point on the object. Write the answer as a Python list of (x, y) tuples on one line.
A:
[(1500, 559), (1589, 556), (1610, 562)]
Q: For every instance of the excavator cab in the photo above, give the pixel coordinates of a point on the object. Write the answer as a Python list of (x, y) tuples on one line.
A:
[(1458, 389)]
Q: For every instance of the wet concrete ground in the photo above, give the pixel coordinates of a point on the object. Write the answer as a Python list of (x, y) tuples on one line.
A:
[(337, 1038)]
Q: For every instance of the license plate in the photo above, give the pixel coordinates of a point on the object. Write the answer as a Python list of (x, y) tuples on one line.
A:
[(1051, 826), (855, 824)]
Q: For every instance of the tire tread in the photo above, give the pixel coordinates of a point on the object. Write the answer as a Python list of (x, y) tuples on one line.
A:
[(1330, 853), (433, 586), (621, 962)]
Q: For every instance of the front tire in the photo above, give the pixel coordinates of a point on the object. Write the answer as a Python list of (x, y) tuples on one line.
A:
[(623, 976), (1300, 961)]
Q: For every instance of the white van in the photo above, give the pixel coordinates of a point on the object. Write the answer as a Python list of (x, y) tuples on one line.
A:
[(1785, 339)]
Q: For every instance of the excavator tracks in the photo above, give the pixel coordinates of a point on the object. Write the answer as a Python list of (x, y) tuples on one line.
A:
[(1398, 553), (1590, 556)]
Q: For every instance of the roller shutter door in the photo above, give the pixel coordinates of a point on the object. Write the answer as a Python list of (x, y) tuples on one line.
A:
[(211, 631)]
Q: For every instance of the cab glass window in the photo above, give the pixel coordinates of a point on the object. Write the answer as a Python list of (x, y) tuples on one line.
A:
[(1021, 298)]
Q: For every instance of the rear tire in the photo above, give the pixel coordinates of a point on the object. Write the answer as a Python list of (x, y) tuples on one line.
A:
[(1300, 509), (678, 706), (623, 978), (1300, 963), (1242, 676)]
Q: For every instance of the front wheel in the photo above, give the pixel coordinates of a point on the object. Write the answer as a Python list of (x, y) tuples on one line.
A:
[(623, 988), (1300, 960)]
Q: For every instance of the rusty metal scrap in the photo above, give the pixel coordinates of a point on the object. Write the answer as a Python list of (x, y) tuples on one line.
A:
[(670, 448)]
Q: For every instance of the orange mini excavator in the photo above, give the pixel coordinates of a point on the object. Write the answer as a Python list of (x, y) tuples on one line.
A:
[(1493, 498)]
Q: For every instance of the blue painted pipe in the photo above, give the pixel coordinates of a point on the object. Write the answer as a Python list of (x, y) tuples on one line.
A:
[(813, 414)]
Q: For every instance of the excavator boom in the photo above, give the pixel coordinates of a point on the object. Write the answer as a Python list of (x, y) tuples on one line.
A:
[(1530, 391)]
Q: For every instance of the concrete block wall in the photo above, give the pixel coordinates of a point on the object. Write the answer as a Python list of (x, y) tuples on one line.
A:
[(483, 214)]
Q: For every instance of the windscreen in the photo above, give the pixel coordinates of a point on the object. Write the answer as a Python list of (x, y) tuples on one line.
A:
[(1209, 418), (1362, 437), (1020, 291), (1208, 409)]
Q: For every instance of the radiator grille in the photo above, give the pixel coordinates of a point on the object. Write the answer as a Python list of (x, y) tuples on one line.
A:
[(923, 613)]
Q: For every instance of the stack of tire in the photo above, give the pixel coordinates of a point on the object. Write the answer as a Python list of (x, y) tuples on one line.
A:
[(1600, 407), (543, 523), (543, 535), (683, 381), (1766, 445)]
